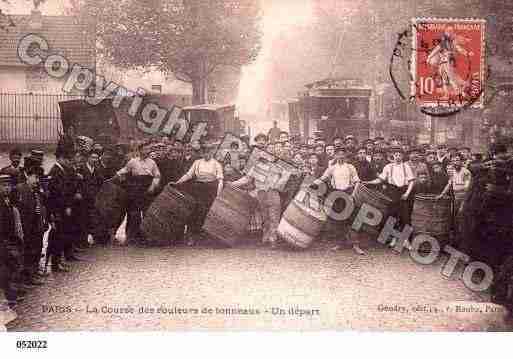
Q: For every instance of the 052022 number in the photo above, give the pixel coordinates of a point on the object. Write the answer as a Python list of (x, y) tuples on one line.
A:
[(31, 344)]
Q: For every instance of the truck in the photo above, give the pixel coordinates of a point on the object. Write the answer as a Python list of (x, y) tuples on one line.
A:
[(106, 123)]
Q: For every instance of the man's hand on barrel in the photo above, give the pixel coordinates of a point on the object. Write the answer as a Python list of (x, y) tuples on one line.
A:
[(404, 196)]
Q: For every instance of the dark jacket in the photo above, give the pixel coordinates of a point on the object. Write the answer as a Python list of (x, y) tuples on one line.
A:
[(62, 187), (90, 183), (7, 227), (365, 170), (11, 171), (32, 222)]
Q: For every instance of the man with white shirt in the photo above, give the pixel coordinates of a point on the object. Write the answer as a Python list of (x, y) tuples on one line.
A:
[(342, 176), (399, 179), (266, 178), (204, 183), (142, 179), (459, 182)]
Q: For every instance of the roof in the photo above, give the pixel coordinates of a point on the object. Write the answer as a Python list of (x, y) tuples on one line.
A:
[(208, 107), (65, 35)]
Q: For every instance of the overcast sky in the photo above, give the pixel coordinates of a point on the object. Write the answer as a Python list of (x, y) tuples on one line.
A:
[(279, 15)]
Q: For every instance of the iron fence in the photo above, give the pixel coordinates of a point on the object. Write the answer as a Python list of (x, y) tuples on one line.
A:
[(31, 118)]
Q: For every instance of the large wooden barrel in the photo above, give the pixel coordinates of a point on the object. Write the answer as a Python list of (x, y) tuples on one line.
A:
[(164, 221), (229, 217), (363, 194), (111, 204), (432, 216), (301, 224)]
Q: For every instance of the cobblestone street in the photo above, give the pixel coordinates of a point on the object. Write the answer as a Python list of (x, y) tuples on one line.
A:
[(337, 290)]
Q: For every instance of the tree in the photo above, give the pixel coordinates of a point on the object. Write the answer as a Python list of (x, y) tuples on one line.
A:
[(188, 38), (5, 20)]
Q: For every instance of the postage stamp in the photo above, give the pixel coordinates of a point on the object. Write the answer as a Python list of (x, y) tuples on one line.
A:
[(448, 64)]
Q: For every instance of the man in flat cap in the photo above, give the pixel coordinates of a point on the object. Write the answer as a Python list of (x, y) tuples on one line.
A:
[(369, 147), (261, 141), (14, 167), (350, 144), (363, 166), (31, 205), (379, 160), (466, 155), (338, 141), (415, 162)]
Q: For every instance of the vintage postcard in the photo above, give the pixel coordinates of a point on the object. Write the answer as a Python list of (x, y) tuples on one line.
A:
[(255, 165)]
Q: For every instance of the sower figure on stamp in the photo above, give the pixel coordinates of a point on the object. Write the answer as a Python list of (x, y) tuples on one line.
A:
[(443, 57)]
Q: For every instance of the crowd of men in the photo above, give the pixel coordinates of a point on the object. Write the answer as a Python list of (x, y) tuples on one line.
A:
[(63, 200)]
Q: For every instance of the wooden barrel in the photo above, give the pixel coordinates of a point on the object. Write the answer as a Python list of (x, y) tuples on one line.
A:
[(301, 224), (111, 204), (432, 216), (229, 217), (363, 194), (165, 219)]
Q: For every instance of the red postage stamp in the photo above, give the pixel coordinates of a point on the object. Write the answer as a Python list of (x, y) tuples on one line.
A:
[(448, 62)]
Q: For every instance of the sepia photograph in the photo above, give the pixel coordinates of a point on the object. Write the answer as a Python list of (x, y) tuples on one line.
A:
[(255, 165)]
